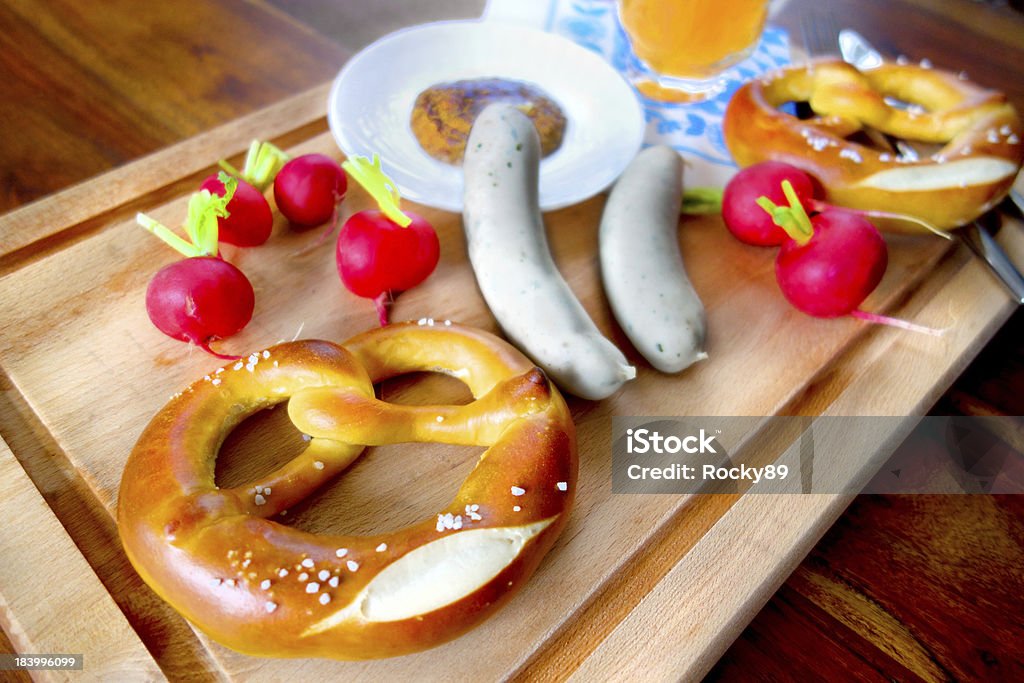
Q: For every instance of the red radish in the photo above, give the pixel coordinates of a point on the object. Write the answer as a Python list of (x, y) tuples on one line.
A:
[(832, 273), (828, 264), (764, 179), (377, 255), (201, 298), (249, 221), (832, 261), (381, 253), (308, 188), (739, 201)]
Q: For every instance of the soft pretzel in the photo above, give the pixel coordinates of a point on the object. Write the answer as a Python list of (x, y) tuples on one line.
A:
[(267, 589), (979, 130)]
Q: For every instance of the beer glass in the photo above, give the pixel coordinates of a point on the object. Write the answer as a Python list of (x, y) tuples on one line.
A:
[(683, 46)]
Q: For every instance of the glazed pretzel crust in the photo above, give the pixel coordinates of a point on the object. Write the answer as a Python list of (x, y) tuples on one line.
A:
[(267, 589), (978, 129)]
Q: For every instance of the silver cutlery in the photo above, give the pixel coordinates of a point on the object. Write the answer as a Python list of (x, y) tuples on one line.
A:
[(1018, 201), (979, 239), (858, 51)]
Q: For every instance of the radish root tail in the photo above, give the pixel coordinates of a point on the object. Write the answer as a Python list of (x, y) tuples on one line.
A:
[(382, 302), (205, 346), (898, 323)]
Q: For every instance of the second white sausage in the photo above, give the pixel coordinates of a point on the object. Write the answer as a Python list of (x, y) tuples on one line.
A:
[(642, 266)]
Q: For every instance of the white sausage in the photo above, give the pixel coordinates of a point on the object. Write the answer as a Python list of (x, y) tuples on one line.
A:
[(642, 267), (513, 265)]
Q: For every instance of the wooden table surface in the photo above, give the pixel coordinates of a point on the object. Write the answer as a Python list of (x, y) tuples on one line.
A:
[(901, 588)]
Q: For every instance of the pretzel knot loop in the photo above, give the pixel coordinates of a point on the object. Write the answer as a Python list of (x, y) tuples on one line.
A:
[(978, 130), (264, 588)]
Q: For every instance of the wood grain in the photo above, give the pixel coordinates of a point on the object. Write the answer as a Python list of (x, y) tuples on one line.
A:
[(7, 648), (793, 636), (53, 376), (357, 24), (822, 624), (889, 609), (99, 309), (36, 567), (173, 643), (73, 77), (926, 566), (884, 358), (35, 230)]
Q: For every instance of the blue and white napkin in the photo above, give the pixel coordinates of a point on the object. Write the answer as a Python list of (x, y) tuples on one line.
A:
[(695, 129)]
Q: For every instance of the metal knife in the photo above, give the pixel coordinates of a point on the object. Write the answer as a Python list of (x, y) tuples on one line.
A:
[(977, 236), (859, 52)]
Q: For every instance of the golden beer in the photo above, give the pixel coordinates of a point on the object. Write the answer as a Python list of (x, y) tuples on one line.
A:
[(692, 39)]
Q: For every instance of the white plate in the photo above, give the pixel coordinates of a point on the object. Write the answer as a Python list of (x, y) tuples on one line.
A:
[(372, 99)]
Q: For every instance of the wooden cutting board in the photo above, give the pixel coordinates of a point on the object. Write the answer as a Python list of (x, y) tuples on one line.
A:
[(85, 371)]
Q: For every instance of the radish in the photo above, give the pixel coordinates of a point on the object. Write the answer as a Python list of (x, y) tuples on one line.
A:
[(308, 188), (249, 220), (828, 264), (383, 252), (831, 261), (201, 298), (736, 202), (739, 208)]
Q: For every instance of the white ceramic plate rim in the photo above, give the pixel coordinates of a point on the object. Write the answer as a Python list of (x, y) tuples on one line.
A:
[(592, 160)]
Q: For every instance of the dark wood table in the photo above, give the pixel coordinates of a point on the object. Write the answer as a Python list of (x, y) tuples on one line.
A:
[(901, 588)]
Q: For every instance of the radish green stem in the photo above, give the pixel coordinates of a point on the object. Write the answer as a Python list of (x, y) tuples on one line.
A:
[(895, 322), (793, 218), (204, 208), (370, 175), (702, 200), (229, 168), (163, 232), (262, 162)]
